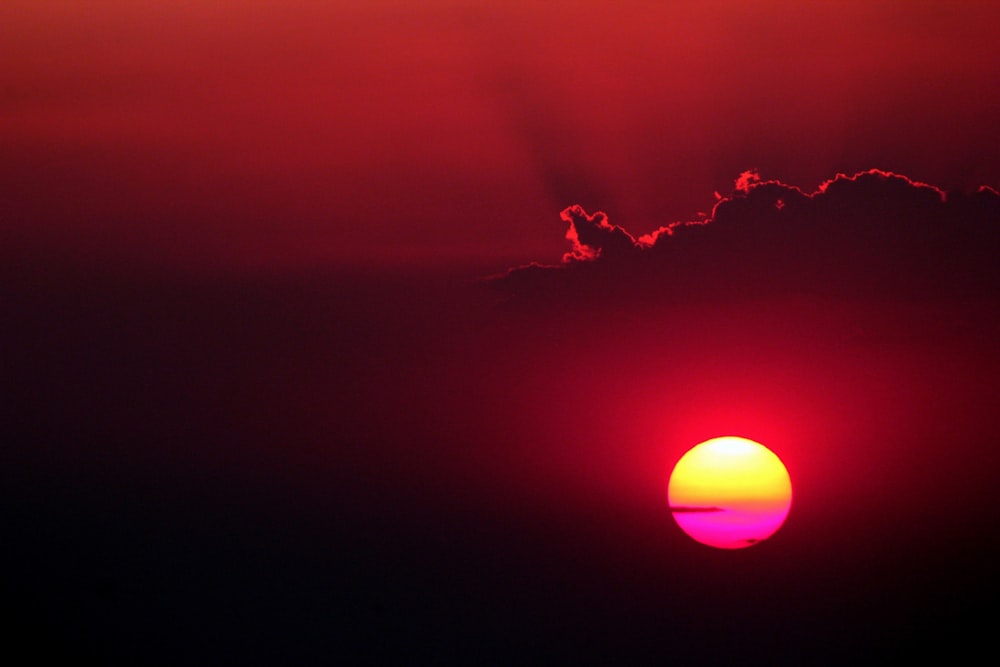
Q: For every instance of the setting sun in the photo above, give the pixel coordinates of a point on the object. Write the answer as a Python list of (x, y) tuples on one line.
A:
[(730, 492)]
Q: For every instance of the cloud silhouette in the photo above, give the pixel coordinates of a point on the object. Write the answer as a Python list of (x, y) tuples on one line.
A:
[(683, 508), (868, 235)]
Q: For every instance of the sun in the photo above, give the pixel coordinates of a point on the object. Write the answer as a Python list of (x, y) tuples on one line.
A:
[(730, 492)]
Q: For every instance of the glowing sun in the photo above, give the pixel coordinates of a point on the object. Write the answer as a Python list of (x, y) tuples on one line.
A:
[(730, 492)]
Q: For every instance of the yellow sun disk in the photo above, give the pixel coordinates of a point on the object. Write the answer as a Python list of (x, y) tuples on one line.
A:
[(708, 476), (730, 492)]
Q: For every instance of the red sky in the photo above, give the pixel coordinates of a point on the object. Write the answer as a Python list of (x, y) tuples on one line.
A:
[(263, 133), (211, 455)]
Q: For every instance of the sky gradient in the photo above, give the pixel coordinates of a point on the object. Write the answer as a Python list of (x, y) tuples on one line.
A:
[(370, 332), (249, 134)]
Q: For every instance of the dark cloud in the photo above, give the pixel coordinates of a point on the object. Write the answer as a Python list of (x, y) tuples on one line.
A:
[(870, 235), (696, 509), (592, 236)]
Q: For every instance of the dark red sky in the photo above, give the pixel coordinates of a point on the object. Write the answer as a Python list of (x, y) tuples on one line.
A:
[(287, 133), (221, 442)]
